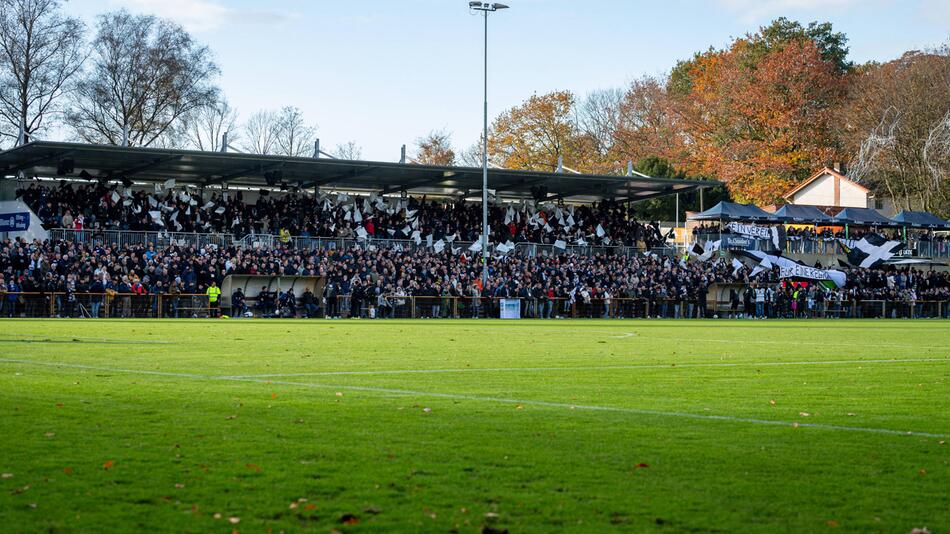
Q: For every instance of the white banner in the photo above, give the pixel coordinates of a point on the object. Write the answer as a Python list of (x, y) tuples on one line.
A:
[(812, 273), (751, 230)]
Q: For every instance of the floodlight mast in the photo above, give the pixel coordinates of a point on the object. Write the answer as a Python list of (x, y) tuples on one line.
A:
[(485, 8)]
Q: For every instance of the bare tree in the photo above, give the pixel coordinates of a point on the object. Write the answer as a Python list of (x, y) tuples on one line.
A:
[(293, 136), (936, 152), (40, 51), (599, 117), (349, 151), (895, 123), (146, 74), (435, 149), (260, 133), (207, 125), (472, 156)]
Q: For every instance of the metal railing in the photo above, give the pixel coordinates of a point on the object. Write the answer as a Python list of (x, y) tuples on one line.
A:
[(451, 307), (104, 305), (121, 238), (822, 246)]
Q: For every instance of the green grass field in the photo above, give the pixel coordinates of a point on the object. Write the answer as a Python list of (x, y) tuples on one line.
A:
[(435, 426)]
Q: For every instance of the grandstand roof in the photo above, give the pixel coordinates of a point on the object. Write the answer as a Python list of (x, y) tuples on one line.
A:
[(41, 159)]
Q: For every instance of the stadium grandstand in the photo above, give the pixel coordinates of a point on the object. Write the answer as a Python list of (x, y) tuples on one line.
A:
[(144, 232)]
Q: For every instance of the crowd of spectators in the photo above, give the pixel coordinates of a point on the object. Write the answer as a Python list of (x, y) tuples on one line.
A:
[(382, 278), (96, 206)]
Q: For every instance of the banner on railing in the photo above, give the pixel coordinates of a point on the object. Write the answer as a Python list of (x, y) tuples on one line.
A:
[(776, 235), (510, 308), (14, 222), (751, 230)]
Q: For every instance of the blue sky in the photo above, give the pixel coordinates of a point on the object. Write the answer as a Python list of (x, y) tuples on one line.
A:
[(385, 73)]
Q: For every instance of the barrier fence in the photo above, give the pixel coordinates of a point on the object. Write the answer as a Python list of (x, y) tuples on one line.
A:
[(104, 305), (121, 238), (448, 307)]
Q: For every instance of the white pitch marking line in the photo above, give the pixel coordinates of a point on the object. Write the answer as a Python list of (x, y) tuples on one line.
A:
[(583, 368), (814, 343), (478, 398)]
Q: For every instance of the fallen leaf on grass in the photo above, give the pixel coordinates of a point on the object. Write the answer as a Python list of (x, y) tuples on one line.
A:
[(179, 486), (273, 395), (253, 467), (794, 425), (641, 466), (772, 402), (234, 520), (10, 475), (68, 470), (804, 414), (32, 505), (49, 434), (519, 407), (108, 465), (941, 442), (59, 405), (339, 393), (17, 491), (310, 507), (217, 516), (349, 519), (372, 510), (427, 410), (851, 414), (923, 472), (293, 506), (231, 417), (832, 523)]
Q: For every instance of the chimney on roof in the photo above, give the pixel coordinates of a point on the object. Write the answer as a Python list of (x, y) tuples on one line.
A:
[(840, 168)]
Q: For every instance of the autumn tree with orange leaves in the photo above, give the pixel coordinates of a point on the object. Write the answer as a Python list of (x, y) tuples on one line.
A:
[(760, 122), (533, 135)]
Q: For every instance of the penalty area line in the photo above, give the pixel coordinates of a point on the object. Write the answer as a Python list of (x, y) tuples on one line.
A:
[(490, 399)]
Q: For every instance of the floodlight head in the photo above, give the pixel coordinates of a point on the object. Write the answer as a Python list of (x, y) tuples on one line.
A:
[(473, 5), (500, 6)]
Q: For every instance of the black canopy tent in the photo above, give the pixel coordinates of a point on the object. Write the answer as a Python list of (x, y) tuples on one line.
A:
[(863, 217), (795, 214), (216, 169), (734, 212), (920, 219)]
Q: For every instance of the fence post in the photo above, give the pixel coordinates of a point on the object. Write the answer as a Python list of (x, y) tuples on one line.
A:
[(412, 304), (52, 305)]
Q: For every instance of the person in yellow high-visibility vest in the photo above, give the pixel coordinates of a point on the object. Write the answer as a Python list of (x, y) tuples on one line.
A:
[(213, 292)]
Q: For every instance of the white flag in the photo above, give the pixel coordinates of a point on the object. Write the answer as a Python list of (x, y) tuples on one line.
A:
[(169, 184), (600, 231), (560, 244), (219, 211), (361, 233), (439, 246), (115, 197), (736, 265)]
